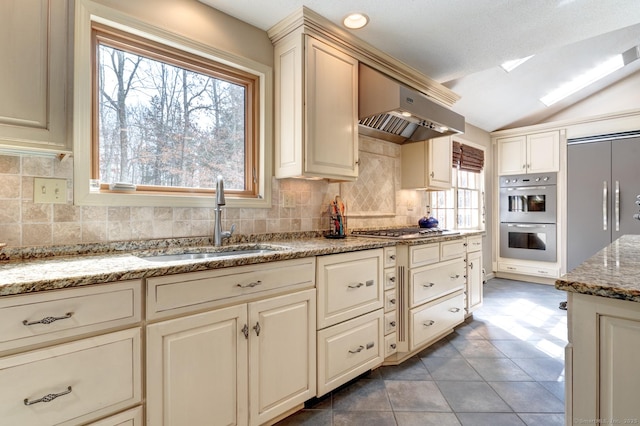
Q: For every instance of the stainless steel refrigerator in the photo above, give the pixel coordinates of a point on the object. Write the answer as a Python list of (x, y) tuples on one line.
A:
[(603, 182)]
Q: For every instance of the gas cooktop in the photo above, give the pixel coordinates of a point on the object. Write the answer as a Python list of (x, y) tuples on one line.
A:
[(404, 233)]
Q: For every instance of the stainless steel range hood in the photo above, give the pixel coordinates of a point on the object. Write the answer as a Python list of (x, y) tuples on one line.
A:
[(391, 111)]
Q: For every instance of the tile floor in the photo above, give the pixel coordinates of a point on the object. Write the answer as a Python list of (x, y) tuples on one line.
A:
[(504, 366)]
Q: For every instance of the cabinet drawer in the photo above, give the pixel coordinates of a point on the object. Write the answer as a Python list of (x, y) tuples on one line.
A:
[(540, 271), (44, 317), (183, 293), (389, 322), (430, 282), (93, 377), (349, 349), (433, 319), (131, 417), (389, 257), (390, 344), (424, 255), (390, 279), (390, 300), (452, 249), (349, 284), (474, 244)]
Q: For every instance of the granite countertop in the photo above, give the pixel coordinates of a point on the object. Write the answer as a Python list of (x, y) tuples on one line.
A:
[(38, 269), (612, 272)]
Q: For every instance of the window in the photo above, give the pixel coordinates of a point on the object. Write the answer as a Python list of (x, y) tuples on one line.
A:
[(167, 111), (168, 121), (462, 206)]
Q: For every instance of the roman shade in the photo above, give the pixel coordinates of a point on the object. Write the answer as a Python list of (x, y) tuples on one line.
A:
[(467, 158)]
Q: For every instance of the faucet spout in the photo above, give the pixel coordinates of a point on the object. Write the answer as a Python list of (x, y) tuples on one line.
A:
[(220, 201)]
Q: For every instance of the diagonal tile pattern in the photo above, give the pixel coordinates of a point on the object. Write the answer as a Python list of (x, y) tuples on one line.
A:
[(504, 366)]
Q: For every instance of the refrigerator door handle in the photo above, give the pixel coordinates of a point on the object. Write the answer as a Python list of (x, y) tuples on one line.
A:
[(604, 205), (617, 212)]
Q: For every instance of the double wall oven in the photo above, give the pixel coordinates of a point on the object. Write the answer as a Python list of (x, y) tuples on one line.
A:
[(528, 217)]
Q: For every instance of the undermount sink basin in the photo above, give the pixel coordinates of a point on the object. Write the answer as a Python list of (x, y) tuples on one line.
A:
[(206, 254)]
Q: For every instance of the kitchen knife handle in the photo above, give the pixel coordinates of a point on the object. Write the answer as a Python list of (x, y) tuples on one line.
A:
[(617, 206), (604, 205)]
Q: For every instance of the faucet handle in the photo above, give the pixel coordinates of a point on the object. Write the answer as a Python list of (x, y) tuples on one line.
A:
[(229, 233)]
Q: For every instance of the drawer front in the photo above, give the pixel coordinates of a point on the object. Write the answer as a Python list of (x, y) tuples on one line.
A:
[(424, 255), (390, 279), (430, 321), (389, 257), (389, 322), (44, 317), (92, 377), (189, 292), (349, 284), (474, 244), (390, 345), (390, 300), (131, 417), (430, 282), (452, 249), (349, 349)]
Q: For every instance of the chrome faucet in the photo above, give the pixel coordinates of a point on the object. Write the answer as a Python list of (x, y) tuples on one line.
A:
[(218, 234)]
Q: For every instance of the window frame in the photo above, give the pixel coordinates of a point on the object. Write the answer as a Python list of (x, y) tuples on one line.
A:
[(258, 168)]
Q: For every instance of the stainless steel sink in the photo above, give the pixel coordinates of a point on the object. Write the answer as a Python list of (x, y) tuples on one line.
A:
[(206, 254)]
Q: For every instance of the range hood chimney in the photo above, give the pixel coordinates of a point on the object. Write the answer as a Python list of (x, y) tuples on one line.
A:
[(391, 111)]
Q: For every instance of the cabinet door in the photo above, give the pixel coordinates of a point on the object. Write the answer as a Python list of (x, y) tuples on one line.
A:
[(474, 281), (512, 155), (331, 133), (439, 160), (282, 354), (543, 152), (197, 369), (33, 78)]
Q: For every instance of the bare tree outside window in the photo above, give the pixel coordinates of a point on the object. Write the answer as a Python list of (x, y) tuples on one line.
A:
[(167, 125)]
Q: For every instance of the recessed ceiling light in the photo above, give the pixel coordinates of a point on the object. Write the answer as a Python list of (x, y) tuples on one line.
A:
[(355, 21), (405, 114)]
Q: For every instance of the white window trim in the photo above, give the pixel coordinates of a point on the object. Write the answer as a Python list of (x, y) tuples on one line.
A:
[(87, 12)]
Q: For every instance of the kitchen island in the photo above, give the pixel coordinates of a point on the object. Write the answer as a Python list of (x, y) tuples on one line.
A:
[(602, 373)]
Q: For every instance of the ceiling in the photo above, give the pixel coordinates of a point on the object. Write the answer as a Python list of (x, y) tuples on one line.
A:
[(461, 43)]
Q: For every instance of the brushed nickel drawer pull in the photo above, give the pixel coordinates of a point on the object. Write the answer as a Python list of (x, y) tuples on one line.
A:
[(454, 310), (47, 398), (360, 348), (257, 328), (250, 285), (392, 257), (245, 331), (393, 346), (392, 301), (48, 320), (392, 323), (428, 285), (429, 323), (370, 283), (355, 286), (392, 279), (455, 277)]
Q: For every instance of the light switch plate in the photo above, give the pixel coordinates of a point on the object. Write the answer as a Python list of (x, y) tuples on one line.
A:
[(49, 190), (289, 199)]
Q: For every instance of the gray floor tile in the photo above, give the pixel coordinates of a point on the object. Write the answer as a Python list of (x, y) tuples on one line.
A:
[(411, 369), (499, 369), (416, 396), (542, 369), (443, 349), (363, 418), (490, 419), (309, 418), (520, 348), (363, 395), (426, 419), (528, 397), (472, 397), (532, 419), (451, 369), (556, 388), (477, 348)]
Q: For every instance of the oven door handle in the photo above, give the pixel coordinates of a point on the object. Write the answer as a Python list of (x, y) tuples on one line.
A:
[(525, 226), (604, 205), (617, 212), (527, 188)]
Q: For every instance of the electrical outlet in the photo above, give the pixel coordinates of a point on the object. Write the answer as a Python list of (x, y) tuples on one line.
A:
[(47, 190), (288, 199)]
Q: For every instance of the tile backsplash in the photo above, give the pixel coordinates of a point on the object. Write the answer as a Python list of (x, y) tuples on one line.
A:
[(374, 200)]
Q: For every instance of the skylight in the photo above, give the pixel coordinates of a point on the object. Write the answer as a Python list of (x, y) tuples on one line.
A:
[(583, 80), (513, 64)]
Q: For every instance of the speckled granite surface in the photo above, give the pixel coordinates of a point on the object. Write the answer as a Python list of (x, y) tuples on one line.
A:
[(613, 272), (39, 269)]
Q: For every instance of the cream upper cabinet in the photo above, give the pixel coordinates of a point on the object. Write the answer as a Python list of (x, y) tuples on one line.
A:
[(427, 164), (316, 109), (33, 75), (535, 153)]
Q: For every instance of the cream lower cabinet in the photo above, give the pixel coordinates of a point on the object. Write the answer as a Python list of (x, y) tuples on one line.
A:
[(242, 363), (602, 371), (474, 275)]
